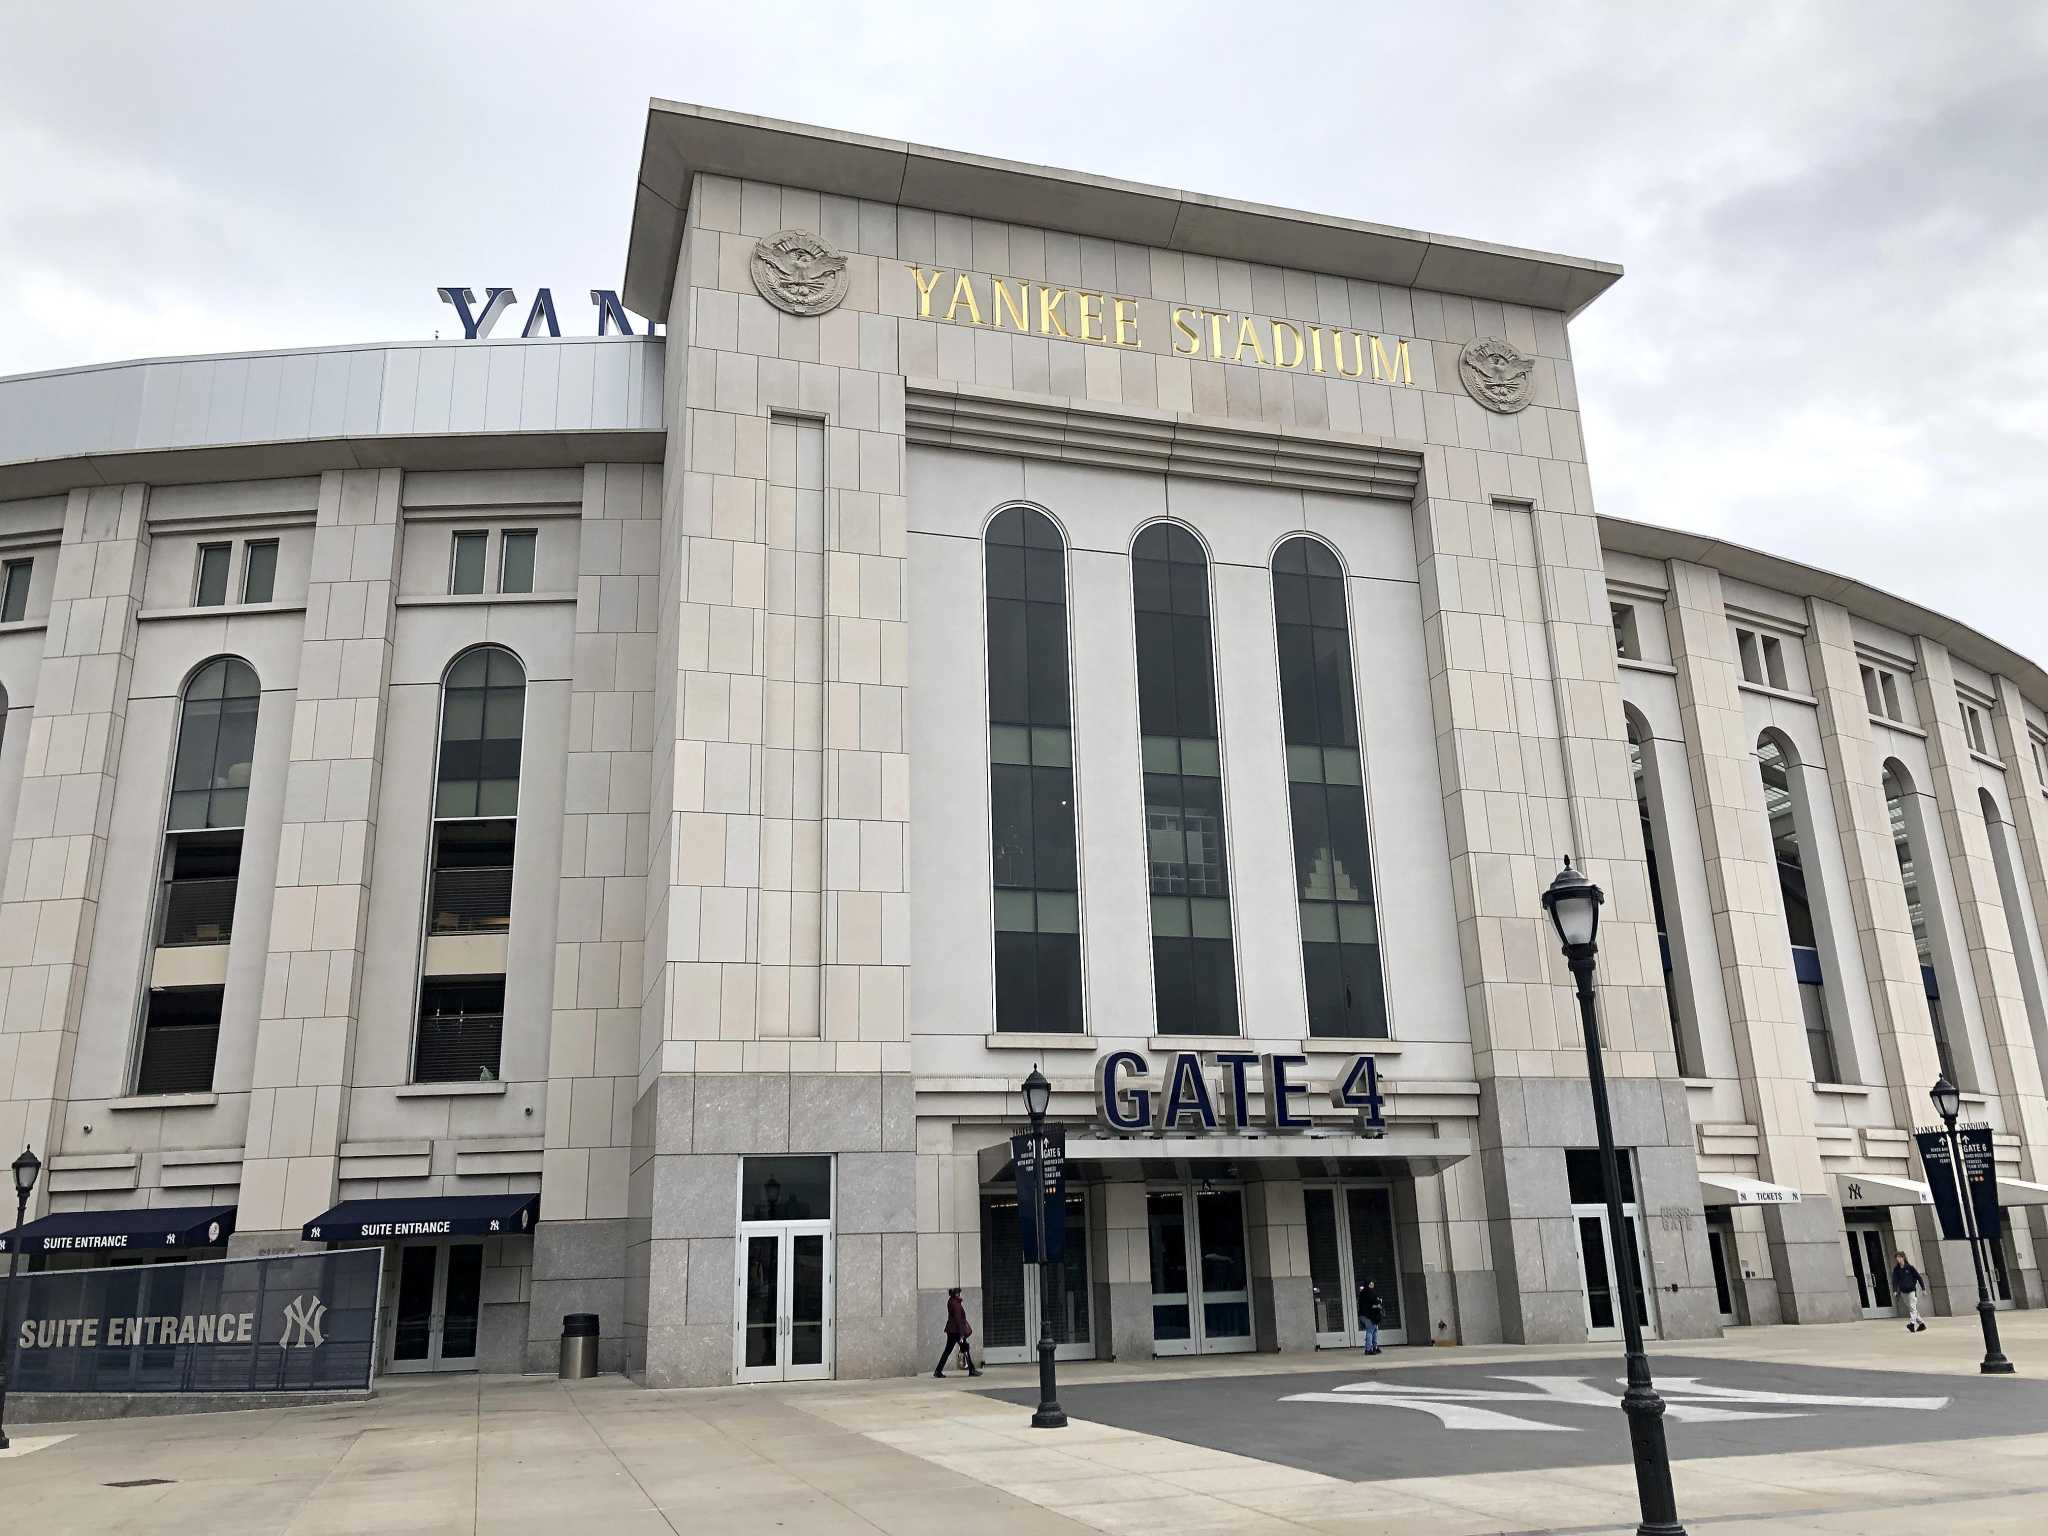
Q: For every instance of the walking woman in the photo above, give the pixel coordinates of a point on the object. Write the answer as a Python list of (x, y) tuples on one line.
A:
[(958, 1332)]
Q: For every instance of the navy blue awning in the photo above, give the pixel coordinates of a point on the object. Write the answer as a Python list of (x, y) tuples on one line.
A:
[(164, 1226), (425, 1216)]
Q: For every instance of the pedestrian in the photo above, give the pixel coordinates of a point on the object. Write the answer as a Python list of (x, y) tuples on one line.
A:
[(958, 1332), (1371, 1312), (1906, 1282)]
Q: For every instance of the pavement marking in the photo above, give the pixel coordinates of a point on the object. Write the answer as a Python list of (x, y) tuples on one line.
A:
[(25, 1445), (1686, 1398)]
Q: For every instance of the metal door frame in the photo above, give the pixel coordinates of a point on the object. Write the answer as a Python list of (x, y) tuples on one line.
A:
[(1198, 1342), (785, 1234), (437, 1314), (1353, 1336), (1026, 1352), (1721, 1240), (1860, 1235), (1620, 1282)]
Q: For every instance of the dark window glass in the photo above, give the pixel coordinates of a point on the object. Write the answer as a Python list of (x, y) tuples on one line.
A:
[(212, 586), (483, 706), (216, 745), (462, 1022), (1916, 911), (1776, 769), (180, 1033), (785, 1188), (515, 562), (259, 571), (1582, 1175), (1031, 777), (466, 569), (472, 890), (1341, 968), (14, 579), (1636, 751), (1193, 965)]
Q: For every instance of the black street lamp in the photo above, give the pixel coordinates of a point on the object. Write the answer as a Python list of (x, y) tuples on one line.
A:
[(1574, 902), (26, 1167), (1037, 1098), (1948, 1103)]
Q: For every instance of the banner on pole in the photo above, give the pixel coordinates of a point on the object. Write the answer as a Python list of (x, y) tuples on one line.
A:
[(1979, 1177), (1052, 1217)]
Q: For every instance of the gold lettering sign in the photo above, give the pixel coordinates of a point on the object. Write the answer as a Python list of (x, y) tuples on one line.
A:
[(1105, 319)]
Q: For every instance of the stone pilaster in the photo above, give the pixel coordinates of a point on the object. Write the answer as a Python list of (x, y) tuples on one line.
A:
[(305, 1040), (1803, 1241), (1877, 894), (58, 862)]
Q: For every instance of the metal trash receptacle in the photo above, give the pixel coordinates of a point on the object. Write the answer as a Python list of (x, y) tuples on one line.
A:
[(579, 1346)]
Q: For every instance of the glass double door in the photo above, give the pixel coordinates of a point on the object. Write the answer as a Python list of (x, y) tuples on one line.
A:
[(1350, 1241), (1871, 1267), (1602, 1261), (1721, 1252), (784, 1302), (440, 1296), (1201, 1274), (1017, 1299)]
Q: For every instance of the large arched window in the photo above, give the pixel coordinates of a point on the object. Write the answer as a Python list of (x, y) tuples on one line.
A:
[(2018, 922), (1193, 965), (1896, 789), (1031, 776), (1795, 885), (469, 910), (1639, 749), (1340, 950), (198, 876)]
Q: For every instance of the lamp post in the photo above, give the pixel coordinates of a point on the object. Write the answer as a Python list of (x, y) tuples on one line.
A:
[(1948, 1103), (1573, 903), (1037, 1097), (26, 1167)]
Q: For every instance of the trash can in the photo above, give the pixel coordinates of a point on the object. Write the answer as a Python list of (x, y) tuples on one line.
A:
[(579, 1346)]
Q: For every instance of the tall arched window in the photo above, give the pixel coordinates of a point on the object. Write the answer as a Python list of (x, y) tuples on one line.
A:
[(1903, 845), (1193, 963), (197, 879), (1340, 950), (2018, 923), (469, 910), (1031, 776), (1639, 748), (1779, 769)]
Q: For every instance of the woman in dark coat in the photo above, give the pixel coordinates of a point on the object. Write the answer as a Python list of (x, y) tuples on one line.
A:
[(958, 1332)]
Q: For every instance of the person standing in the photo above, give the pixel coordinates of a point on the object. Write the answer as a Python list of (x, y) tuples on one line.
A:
[(958, 1332), (1371, 1312), (1906, 1282)]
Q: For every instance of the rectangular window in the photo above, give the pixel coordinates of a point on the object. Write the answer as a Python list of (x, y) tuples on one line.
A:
[(1973, 727), (515, 561), (1889, 686), (259, 571), (466, 568), (785, 1188), (1871, 698), (1774, 662), (472, 877), (1746, 651), (14, 581), (462, 1024), (2040, 750), (179, 1036), (198, 896), (211, 589), (1627, 643)]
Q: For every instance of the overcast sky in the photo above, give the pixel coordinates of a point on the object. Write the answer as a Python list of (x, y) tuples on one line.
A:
[(1834, 218)]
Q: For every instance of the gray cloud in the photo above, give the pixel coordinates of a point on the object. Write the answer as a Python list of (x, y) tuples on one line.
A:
[(1832, 214)]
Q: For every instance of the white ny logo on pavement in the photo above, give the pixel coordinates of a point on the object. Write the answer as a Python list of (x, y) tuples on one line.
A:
[(1686, 1398), (302, 1323)]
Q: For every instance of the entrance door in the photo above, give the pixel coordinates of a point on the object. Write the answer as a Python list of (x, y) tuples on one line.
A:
[(1721, 1249), (1871, 1266), (783, 1307), (1012, 1300), (2001, 1262), (1201, 1271), (1350, 1241), (440, 1296), (1600, 1267)]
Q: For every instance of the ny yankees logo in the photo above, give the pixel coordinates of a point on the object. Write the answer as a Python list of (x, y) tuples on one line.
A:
[(302, 1323)]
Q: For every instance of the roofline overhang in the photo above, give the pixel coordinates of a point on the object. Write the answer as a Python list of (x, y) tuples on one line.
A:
[(684, 141)]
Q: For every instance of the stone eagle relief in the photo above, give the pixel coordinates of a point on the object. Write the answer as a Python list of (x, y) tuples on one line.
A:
[(1496, 374), (798, 272)]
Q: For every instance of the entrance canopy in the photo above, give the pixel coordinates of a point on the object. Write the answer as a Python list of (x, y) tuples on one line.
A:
[(1308, 1156), (425, 1216), (1739, 1189), (166, 1226), (2013, 1191), (1880, 1189)]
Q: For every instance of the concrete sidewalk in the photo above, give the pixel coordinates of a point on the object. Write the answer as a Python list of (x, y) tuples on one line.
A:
[(492, 1454)]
